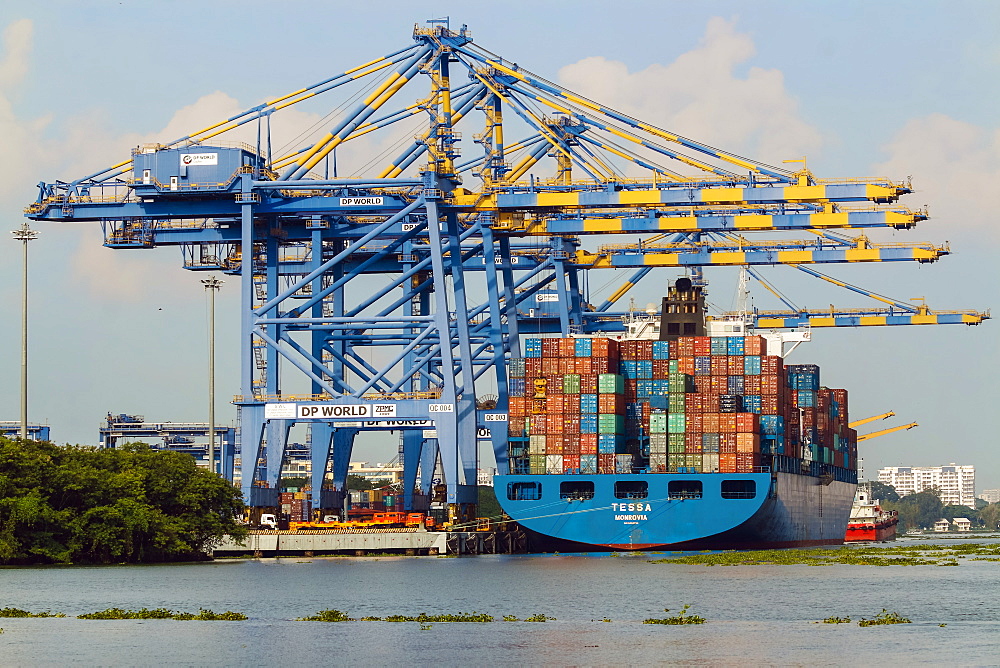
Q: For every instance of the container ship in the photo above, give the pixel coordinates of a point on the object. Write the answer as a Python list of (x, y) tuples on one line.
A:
[(681, 435), (869, 521)]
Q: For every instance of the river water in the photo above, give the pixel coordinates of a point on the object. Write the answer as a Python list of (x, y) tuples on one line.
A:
[(755, 614)]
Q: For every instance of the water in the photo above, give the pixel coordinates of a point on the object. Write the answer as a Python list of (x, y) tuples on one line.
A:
[(756, 614)]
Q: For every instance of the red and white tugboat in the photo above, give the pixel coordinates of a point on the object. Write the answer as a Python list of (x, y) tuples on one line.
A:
[(869, 522)]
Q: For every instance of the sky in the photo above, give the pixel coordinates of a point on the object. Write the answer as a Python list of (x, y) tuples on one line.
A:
[(897, 89)]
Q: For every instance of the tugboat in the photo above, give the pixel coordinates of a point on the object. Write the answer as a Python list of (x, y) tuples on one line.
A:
[(869, 522)]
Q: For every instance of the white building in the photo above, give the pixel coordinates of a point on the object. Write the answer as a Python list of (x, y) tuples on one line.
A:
[(962, 524), (990, 495), (957, 484)]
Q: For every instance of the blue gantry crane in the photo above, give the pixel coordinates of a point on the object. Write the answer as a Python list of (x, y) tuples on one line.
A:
[(390, 299)]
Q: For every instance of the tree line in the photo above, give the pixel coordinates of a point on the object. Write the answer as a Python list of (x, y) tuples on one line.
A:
[(923, 509), (84, 505)]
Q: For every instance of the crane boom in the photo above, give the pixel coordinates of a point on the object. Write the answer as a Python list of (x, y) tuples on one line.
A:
[(865, 437), (858, 423)]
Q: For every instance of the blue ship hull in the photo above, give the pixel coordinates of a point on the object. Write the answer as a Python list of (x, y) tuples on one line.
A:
[(782, 510)]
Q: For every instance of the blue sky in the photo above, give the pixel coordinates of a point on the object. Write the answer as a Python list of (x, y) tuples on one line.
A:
[(899, 89)]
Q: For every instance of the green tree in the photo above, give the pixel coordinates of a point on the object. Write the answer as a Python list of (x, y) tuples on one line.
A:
[(950, 512), (883, 491), (62, 504), (919, 510), (363, 483), (990, 516), (488, 505)]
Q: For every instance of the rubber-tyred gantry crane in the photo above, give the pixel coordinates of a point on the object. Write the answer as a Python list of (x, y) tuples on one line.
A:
[(383, 300)]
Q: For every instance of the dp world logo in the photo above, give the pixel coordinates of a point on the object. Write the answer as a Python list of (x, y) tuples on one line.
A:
[(190, 159)]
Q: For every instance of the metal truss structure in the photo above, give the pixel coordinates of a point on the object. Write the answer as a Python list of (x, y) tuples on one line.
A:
[(384, 300)]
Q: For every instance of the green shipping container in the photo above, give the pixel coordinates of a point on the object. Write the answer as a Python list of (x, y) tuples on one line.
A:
[(693, 462), (571, 383), (673, 366), (610, 383), (676, 440), (675, 402), (536, 464), (676, 423), (610, 424)]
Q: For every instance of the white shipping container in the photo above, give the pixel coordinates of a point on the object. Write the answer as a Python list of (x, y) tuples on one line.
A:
[(536, 445), (554, 464)]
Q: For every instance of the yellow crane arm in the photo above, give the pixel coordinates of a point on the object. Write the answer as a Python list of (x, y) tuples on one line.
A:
[(858, 423), (865, 437)]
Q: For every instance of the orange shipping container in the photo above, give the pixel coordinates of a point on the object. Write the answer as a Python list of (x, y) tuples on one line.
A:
[(727, 423), (754, 345), (588, 444), (684, 365), (747, 422), (727, 462)]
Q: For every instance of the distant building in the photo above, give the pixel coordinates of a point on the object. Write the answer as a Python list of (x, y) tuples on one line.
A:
[(962, 524), (942, 525), (957, 484), (391, 472), (990, 495)]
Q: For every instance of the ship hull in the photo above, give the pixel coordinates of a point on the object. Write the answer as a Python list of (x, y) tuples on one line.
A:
[(870, 531), (783, 510)]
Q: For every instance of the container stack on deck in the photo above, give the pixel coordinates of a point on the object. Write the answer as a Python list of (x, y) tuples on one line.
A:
[(695, 405)]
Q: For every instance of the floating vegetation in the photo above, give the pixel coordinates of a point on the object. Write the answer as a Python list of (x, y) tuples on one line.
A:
[(884, 617), (835, 620), (202, 615), (899, 555), (327, 616), (680, 618), (539, 617), (511, 618), (425, 618), (17, 612)]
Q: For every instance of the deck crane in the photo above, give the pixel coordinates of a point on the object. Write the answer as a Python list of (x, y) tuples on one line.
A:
[(883, 416), (883, 432), (471, 242)]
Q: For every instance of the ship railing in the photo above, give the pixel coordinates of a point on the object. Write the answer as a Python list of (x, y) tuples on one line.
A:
[(576, 496)]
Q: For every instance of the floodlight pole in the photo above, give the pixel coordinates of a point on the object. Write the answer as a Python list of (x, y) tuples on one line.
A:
[(24, 234), (212, 286)]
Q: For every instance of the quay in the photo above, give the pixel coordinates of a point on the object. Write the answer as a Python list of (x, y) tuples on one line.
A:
[(413, 542)]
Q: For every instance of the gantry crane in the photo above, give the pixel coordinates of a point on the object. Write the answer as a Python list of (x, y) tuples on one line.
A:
[(883, 432), (385, 300)]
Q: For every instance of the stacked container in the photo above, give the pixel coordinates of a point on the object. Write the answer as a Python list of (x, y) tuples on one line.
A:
[(695, 405)]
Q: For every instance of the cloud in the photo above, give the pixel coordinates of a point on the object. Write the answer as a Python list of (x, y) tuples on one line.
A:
[(955, 167), (702, 96)]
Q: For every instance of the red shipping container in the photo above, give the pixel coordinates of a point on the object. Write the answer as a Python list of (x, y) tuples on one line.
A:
[(566, 365), (727, 462), (735, 365), (553, 446), (571, 425), (710, 423), (583, 365), (599, 365), (693, 447), (751, 385), (694, 422), (747, 422), (720, 365), (603, 348), (770, 384), (727, 443), (690, 438), (567, 347), (703, 384), (661, 369), (553, 384), (718, 384), (769, 404), (727, 423), (537, 406), (588, 444), (673, 350), (571, 403), (772, 365), (550, 348), (571, 463), (702, 345), (644, 350), (532, 366), (554, 403), (611, 404), (554, 423), (685, 365), (605, 463), (518, 406)]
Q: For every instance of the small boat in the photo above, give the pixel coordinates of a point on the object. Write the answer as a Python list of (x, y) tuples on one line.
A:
[(869, 521)]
